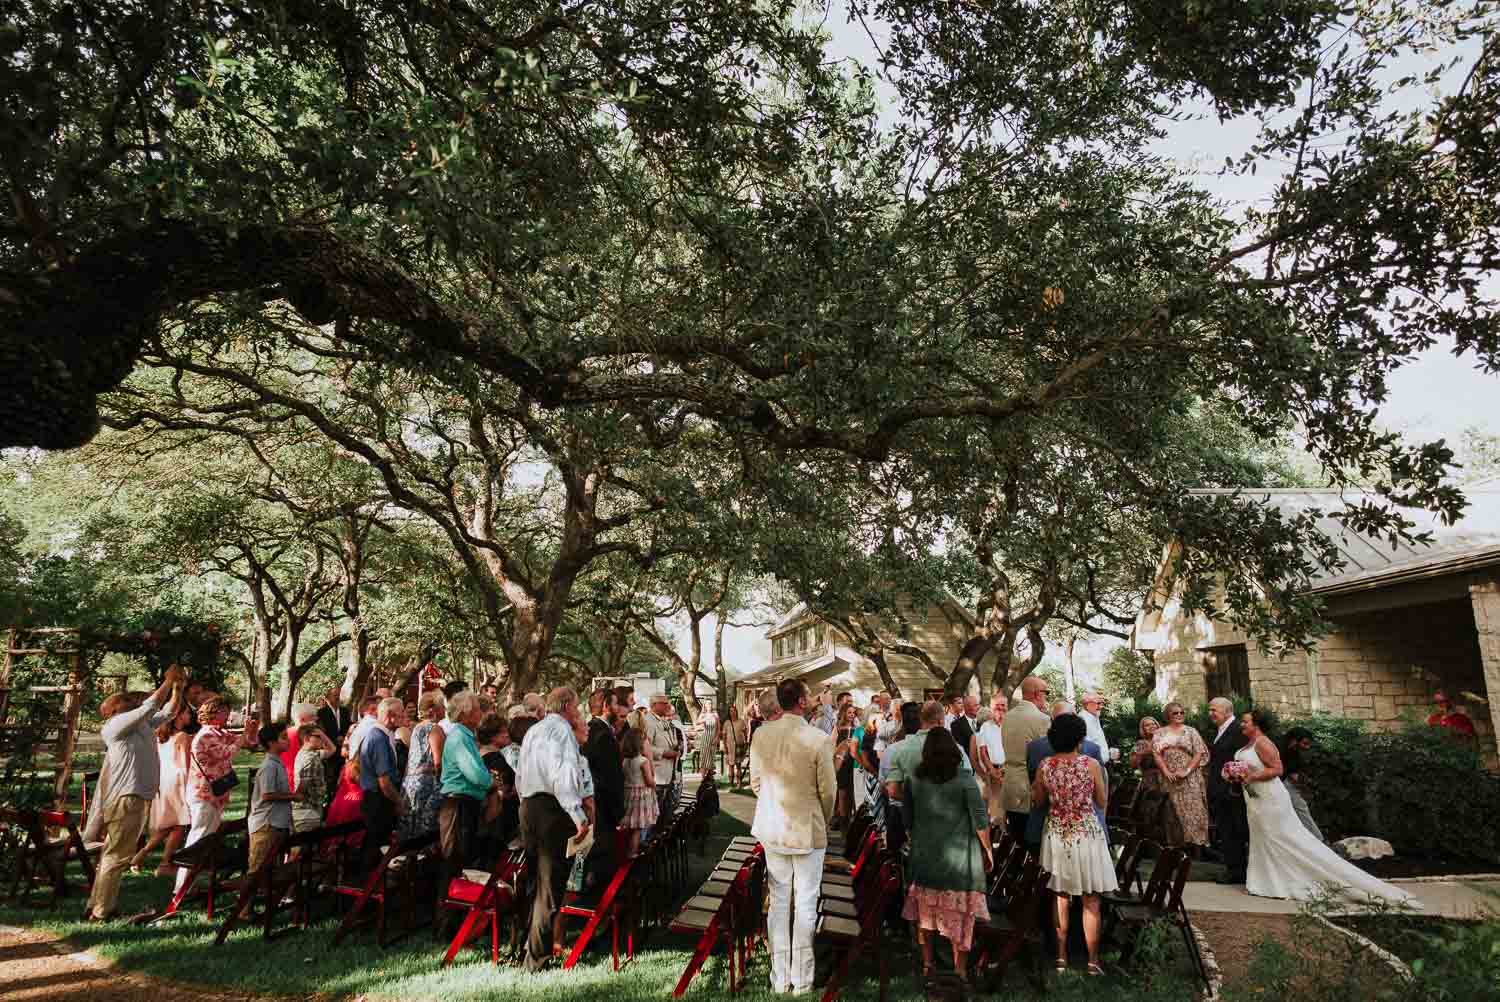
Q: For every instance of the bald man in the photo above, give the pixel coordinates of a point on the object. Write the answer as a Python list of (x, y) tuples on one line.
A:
[(1026, 721)]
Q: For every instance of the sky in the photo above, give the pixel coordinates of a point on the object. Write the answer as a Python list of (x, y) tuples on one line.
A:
[(1436, 395)]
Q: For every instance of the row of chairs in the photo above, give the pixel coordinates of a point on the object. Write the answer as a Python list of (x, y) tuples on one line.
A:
[(38, 859)]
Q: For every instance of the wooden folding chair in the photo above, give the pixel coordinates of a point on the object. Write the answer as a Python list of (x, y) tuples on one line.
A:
[(999, 939), (852, 937), (216, 856), (70, 847), (294, 873), (30, 855), (396, 875), (1163, 900), (612, 907), (714, 918), (486, 903)]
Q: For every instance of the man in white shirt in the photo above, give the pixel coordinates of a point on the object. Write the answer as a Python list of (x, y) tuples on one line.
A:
[(666, 744), (791, 773), (988, 756), (890, 723), (823, 717), (367, 722), (1093, 703), (550, 786)]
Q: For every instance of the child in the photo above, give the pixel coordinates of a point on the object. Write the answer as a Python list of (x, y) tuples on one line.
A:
[(640, 791), (270, 817), (312, 781)]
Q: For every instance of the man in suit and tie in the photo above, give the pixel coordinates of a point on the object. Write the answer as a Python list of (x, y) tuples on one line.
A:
[(334, 721), (602, 751), (1226, 803), (1023, 725)]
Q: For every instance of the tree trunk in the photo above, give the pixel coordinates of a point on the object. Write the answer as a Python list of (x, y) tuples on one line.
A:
[(877, 658), (721, 682), (1070, 685), (290, 676), (967, 665)]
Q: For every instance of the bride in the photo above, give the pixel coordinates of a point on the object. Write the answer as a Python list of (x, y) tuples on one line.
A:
[(1286, 861)]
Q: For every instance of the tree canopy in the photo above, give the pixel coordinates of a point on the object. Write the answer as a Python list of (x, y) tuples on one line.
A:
[(575, 284)]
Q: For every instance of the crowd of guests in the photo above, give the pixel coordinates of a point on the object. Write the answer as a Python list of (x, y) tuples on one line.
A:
[(937, 776), (579, 786)]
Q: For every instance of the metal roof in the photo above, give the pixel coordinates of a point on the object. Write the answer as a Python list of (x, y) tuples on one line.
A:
[(1473, 541)]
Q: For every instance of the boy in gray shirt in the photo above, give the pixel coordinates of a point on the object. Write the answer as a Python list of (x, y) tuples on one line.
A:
[(271, 799)]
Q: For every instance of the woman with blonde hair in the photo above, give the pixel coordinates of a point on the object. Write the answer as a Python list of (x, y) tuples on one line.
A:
[(1179, 753), (424, 764)]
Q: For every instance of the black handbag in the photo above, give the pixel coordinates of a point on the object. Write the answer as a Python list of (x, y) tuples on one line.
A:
[(710, 799), (224, 783)]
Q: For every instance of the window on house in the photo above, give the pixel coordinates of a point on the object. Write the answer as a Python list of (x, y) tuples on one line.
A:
[(804, 637), (776, 648), (1226, 671)]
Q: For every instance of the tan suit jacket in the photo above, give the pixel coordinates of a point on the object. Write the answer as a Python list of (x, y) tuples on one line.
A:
[(1023, 725), (791, 773)]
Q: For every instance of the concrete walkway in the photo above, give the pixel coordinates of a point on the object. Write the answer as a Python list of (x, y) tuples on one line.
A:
[(1457, 898)]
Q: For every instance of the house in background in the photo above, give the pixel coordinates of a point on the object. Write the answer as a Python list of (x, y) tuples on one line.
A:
[(1406, 622), (805, 647)]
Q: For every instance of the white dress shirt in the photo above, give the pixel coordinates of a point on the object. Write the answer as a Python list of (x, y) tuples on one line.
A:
[(1094, 731), (550, 764), (1222, 728)]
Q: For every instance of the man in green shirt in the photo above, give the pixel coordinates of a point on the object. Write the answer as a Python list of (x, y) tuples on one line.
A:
[(906, 755)]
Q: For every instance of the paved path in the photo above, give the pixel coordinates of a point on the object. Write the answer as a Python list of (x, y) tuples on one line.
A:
[(1457, 898)]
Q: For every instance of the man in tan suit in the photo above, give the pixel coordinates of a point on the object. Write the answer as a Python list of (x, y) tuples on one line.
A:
[(791, 773), (1026, 722)]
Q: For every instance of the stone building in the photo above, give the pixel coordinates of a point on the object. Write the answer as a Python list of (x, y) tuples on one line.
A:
[(804, 646), (1406, 621)]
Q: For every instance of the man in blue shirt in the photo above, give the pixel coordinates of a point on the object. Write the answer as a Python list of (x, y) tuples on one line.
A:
[(382, 803)]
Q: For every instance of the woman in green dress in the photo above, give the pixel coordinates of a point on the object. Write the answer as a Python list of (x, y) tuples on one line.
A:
[(950, 851)]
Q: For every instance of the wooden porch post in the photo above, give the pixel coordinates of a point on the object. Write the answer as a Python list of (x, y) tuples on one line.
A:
[(1484, 595)]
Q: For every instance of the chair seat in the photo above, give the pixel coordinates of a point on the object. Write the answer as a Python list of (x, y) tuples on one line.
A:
[(690, 919), (1119, 898), (842, 909), (468, 890), (838, 927), (717, 888), (745, 841), (1137, 914), (995, 925), (703, 903), (842, 879), (834, 892)]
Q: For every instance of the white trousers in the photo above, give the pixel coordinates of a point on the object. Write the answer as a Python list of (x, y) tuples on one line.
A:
[(794, 883), (206, 816)]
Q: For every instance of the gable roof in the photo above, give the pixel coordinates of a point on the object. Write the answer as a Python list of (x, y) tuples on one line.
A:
[(1471, 542)]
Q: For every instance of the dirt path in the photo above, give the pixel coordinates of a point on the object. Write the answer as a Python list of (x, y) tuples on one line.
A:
[(1232, 938), (37, 966)]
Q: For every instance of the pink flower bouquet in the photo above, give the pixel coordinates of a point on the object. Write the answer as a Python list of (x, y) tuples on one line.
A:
[(1239, 774)]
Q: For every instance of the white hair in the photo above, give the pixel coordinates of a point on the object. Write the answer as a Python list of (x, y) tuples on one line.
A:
[(769, 704), (559, 698), (1223, 704), (462, 704), (303, 713), (387, 705)]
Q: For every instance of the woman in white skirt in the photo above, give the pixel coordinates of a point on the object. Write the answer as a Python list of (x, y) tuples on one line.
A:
[(1074, 848)]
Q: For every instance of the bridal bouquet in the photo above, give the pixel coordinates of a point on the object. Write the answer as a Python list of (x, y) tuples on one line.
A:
[(1238, 772)]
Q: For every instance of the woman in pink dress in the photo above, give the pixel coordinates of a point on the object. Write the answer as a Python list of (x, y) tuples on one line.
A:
[(170, 817)]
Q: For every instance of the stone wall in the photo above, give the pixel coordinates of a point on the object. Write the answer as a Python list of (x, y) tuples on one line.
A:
[(1374, 667)]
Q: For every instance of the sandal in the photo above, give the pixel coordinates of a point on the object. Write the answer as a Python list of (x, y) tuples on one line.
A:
[(1095, 970), (1062, 965)]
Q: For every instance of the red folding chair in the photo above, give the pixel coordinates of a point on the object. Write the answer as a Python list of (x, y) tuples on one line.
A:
[(485, 903)]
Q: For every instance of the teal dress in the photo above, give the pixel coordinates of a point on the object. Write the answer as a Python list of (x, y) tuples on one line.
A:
[(947, 862)]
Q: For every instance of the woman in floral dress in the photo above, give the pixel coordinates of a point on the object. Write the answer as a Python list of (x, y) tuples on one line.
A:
[(950, 851), (212, 760), (1179, 753), (1074, 848), (424, 764)]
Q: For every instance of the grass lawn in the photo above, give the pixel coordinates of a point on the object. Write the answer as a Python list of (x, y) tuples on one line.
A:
[(307, 964)]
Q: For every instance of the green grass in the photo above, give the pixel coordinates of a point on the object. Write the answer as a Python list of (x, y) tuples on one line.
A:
[(307, 963)]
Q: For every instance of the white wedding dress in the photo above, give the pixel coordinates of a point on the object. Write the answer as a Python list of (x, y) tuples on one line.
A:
[(1286, 861)]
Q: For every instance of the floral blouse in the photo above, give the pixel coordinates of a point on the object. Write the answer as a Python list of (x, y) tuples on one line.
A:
[(1070, 796), (213, 756)]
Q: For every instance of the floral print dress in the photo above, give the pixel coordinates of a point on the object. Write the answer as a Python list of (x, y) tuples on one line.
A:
[(420, 786), (1074, 848), (1184, 785)]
